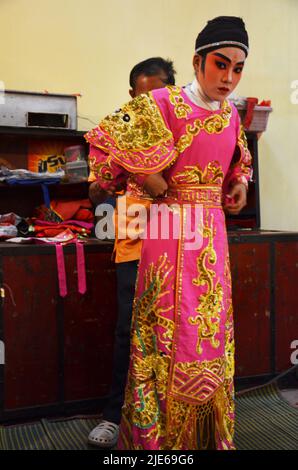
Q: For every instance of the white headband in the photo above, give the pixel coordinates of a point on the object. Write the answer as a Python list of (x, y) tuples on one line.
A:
[(221, 43)]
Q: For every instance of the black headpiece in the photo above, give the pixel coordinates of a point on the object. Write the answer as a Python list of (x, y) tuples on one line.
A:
[(223, 31)]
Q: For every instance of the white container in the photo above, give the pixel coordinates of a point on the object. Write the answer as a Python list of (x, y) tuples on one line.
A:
[(76, 171), (75, 153), (260, 117)]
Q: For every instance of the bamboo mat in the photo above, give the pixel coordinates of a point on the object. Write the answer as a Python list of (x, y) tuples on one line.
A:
[(264, 421)]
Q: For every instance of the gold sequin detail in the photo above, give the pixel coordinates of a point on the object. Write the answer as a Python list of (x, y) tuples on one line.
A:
[(190, 426), (229, 352), (148, 376), (214, 124), (198, 381), (211, 302), (245, 157), (242, 140), (136, 190), (211, 174), (181, 109), (136, 137), (149, 312), (101, 170), (229, 324), (138, 125), (224, 405)]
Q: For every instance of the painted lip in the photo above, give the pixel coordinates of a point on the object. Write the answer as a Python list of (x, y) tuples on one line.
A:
[(223, 89)]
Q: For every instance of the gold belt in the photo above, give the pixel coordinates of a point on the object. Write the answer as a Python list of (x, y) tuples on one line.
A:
[(209, 195)]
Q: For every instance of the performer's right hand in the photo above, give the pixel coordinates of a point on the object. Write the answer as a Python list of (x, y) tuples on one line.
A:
[(155, 185)]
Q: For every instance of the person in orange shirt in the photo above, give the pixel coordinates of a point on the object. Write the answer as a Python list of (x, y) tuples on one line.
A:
[(145, 76)]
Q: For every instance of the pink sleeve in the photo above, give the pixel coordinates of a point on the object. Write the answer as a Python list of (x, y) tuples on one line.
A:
[(103, 169), (135, 138), (240, 170)]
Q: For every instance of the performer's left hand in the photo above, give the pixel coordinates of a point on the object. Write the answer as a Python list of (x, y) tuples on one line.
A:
[(237, 196)]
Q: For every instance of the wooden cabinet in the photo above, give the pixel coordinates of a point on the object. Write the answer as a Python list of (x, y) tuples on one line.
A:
[(264, 269), (58, 351)]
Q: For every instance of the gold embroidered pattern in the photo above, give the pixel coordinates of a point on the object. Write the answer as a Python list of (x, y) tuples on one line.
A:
[(190, 426), (240, 170), (148, 311), (211, 302), (148, 377), (229, 351), (139, 125), (135, 189), (101, 170), (144, 407), (208, 195), (136, 137), (224, 405), (229, 327), (242, 141), (181, 109), (211, 174), (198, 381), (141, 162), (214, 124), (245, 157), (143, 411)]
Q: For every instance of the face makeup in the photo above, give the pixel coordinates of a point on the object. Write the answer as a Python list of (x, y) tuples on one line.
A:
[(222, 73)]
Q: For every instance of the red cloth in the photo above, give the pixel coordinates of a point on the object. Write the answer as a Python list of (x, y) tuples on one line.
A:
[(251, 103), (55, 229), (265, 103), (60, 210)]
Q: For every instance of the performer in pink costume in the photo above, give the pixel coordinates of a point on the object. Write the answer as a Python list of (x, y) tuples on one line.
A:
[(179, 393)]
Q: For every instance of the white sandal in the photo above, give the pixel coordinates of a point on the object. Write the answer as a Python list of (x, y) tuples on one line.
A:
[(105, 434)]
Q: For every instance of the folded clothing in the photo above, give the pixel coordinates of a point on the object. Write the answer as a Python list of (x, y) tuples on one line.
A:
[(21, 176), (51, 229), (8, 231), (61, 210), (9, 225)]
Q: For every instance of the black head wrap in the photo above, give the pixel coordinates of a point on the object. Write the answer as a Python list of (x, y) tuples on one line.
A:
[(223, 31)]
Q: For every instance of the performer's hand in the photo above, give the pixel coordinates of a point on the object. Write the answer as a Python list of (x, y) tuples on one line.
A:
[(155, 185), (237, 196), (96, 194)]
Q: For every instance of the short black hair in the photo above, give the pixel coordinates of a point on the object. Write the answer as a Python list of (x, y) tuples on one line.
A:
[(153, 66)]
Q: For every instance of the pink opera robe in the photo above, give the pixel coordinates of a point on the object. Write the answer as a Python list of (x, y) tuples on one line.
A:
[(179, 392)]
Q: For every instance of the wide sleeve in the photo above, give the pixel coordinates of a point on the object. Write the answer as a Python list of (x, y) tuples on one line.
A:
[(134, 139), (240, 170), (103, 169)]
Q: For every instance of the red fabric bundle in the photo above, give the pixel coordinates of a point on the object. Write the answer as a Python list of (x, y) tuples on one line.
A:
[(60, 210), (76, 216), (55, 229)]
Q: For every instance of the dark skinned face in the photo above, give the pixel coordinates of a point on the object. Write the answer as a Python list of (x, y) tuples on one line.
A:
[(145, 83)]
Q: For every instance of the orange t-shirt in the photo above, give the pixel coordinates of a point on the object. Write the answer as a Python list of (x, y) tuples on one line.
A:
[(128, 249)]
